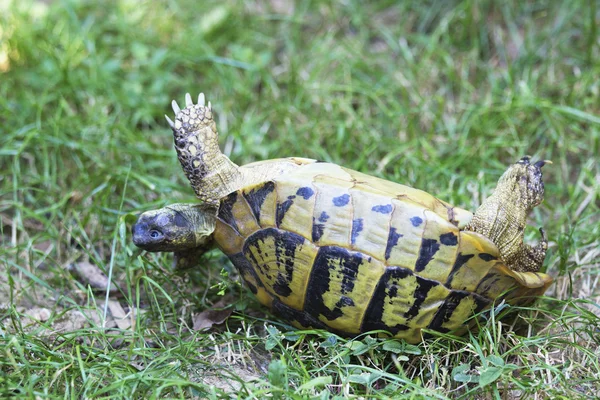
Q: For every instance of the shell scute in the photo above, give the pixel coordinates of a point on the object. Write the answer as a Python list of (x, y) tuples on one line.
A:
[(295, 206), (333, 223), (340, 287), (229, 239), (244, 217), (457, 311), (370, 226), (282, 262), (256, 198), (404, 237), (262, 200), (469, 268), (248, 273), (436, 258)]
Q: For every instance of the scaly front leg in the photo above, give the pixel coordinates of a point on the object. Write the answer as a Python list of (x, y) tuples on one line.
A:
[(211, 173)]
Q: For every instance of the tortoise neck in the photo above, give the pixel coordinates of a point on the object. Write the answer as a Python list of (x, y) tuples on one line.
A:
[(199, 218)]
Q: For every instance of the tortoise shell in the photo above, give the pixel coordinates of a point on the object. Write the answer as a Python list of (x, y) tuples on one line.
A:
[(327, 247)]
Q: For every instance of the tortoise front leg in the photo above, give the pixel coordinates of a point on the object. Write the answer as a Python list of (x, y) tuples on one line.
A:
[(211, 173), (190, 258)]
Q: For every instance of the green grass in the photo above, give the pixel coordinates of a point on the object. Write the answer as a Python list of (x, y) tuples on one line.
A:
[(438, 95)]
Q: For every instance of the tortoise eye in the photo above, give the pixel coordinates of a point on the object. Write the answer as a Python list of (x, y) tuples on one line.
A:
[(154, 234)]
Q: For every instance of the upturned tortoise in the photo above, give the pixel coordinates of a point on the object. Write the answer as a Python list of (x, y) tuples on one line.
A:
[(327, 247)]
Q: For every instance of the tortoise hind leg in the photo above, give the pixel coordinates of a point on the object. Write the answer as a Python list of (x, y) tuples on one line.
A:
[(530, 258), (502, 217)]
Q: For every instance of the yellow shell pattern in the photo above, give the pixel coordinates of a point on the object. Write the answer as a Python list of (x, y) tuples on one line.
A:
[(332, 248)]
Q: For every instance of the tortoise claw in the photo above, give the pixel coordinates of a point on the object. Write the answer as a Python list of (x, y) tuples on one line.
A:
[(188, 103), (524, 160), (175, 106), (188, 100), (543, 233), (170, 121)]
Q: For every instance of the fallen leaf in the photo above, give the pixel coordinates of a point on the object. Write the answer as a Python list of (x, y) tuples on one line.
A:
[(91, 275), (213, 316), (119, 315), (75, 197)]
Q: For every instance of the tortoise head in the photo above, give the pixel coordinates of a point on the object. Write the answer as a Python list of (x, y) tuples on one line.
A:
[(523, 183), (174, 228)]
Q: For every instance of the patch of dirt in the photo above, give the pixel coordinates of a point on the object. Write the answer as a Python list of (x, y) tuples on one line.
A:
[(50, 322), (232, 367), (229, 379)]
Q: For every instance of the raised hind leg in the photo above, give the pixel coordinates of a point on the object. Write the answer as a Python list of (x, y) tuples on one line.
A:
[(530, 258)]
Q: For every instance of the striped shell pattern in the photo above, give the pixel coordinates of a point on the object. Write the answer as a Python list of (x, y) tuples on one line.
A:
[(327, 247)]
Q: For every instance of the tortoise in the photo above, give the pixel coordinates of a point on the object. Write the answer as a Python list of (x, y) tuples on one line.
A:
[(327, 247)]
